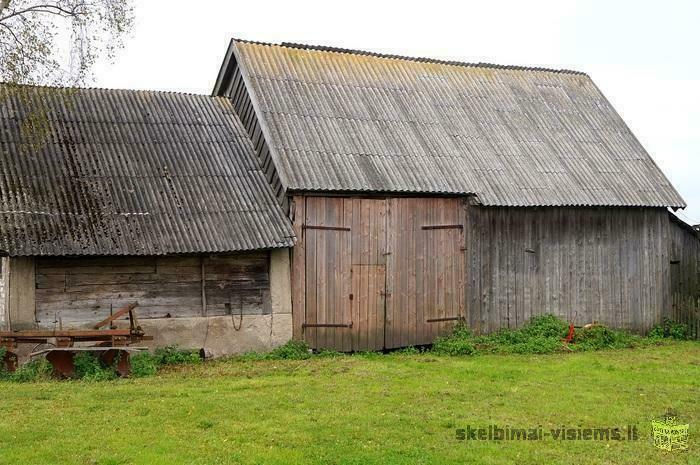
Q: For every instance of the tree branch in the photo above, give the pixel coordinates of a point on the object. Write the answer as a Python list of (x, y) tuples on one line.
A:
[(42, 8), (13, 34)]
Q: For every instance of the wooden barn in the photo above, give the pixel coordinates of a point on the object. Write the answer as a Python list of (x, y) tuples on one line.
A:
[(109, 197), (425, 192), (353, 200)]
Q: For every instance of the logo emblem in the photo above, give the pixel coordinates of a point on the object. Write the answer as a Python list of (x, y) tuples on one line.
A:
[(670, 434)]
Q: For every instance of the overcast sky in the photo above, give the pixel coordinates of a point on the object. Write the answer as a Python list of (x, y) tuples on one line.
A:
[(644, 55)]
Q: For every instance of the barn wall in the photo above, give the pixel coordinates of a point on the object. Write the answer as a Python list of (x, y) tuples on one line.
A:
[(685, 260), (609, 265), (227, 303), (81, 291), (685, 276)]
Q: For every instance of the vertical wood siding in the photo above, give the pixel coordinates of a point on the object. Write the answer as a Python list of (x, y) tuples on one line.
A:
[(685, 260), (425, 269), (79, 291), (495, 267), (609, 265), (685, 277), (374, 273), (240, 98)]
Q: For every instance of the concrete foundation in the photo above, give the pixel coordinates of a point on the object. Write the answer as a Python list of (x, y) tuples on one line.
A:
[(234, 334), (221, 335)]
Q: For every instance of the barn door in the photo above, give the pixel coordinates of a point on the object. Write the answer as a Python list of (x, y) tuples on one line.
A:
[(369, 273), (380, 273), (425, 270), (328, 319), (345, 273)]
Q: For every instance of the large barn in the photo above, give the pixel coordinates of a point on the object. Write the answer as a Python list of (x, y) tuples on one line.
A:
[(352, 200), (113, 197), (425, 192)]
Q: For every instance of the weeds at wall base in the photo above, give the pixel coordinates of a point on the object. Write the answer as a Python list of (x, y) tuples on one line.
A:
[(541, 335)]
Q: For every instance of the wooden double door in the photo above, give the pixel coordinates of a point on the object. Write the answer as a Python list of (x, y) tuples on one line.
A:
[(376, 273)]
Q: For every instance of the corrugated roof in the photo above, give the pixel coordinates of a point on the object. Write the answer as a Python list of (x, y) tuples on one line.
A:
[(123, 172), (343, 120)]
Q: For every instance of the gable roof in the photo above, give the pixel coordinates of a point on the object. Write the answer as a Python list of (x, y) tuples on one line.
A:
[(124, 172), (344, 120)]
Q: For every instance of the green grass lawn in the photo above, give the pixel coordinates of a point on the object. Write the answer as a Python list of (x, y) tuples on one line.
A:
[(384, 409)]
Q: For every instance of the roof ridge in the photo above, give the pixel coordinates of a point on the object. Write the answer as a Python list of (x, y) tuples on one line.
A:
[(55, 87), (349, 51)]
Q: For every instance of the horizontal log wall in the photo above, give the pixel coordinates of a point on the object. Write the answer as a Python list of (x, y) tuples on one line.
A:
[(80, 291), (609, 265)]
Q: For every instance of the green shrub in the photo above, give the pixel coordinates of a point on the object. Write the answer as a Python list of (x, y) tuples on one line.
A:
[(292, 350), (453, 345), (460, 342), (33, 371), (669, 329), (88, 367), (174, 355), (541, 335), (602, 337), (143, 364), (545, 326)]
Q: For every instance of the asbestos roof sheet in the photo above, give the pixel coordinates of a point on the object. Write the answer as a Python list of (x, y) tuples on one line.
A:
[(343, 120), (124, 172)]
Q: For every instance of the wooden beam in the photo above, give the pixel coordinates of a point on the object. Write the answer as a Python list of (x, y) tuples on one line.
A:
[(121, 312)]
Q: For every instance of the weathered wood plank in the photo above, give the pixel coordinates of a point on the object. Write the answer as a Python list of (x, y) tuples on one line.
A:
[(79, 291)]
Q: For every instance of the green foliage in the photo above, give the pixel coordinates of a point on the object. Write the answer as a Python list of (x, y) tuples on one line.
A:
[(34, 35), (88, 367), (460, 342), (542, 335), (329, 353), (669, 329), (454, 346), (143, 364), (602, 337), (545, 326), (174, 355), (292, 350), (30, 372), (410, 350)]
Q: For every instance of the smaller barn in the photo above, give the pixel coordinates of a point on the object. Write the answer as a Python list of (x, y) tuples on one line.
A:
[(109, 197)]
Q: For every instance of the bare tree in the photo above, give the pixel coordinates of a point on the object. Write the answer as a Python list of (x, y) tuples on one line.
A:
[(57, 42)]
